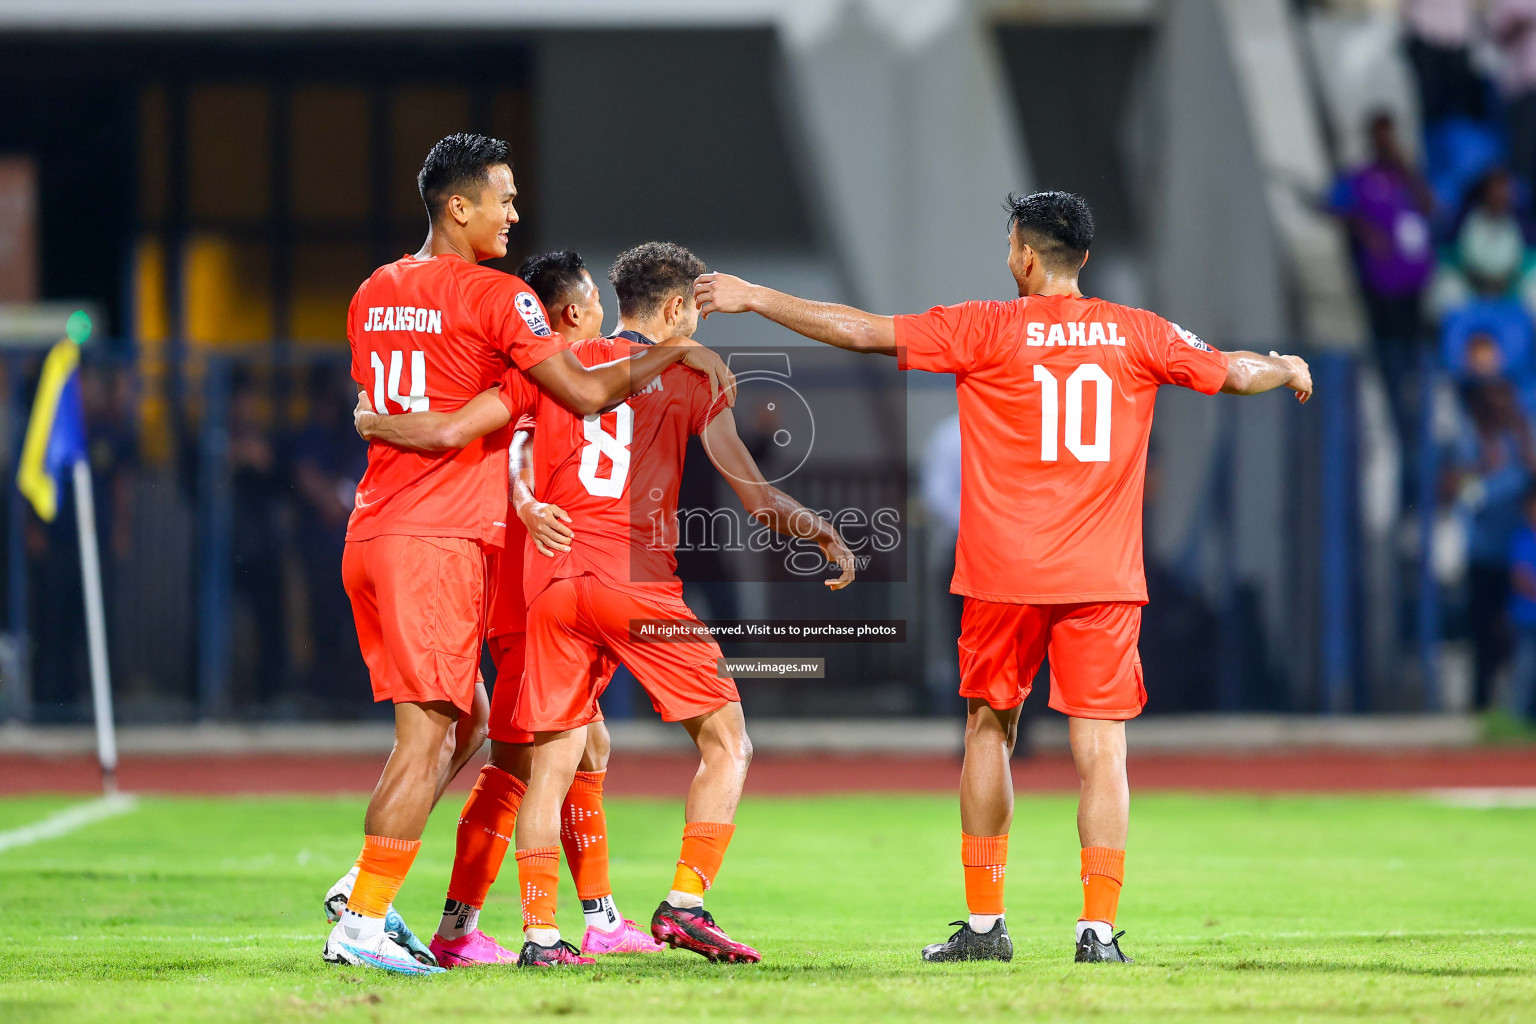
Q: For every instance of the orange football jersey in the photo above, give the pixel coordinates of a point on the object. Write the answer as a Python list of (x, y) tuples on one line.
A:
[(1056, 397), (429, 335), (617, 475)]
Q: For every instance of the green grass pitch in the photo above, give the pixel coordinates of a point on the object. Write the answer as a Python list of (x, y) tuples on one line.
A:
[(1237, 908)]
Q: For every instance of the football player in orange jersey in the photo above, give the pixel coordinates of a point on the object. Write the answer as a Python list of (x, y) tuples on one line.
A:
[(615, 570), (575, 308), (435, 329), (1056, 393)]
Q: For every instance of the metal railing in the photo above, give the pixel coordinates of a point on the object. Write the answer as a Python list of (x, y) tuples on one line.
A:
[(186, 623)]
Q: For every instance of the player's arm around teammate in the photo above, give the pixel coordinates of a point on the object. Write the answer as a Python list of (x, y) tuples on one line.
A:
[(445, 431), (433, 329)]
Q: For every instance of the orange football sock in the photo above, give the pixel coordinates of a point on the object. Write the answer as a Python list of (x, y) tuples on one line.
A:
[(485, 828), (986, 861), (704, 844), (1103, 872), (538, 875), (381, 870), (584, 834)]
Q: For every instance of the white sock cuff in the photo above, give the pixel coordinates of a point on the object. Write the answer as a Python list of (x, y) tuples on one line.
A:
[(358, 928), (684, 900), (982, 923), (1103, 930)]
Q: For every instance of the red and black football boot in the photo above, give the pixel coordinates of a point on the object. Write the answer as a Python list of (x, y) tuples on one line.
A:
[(695, 929)]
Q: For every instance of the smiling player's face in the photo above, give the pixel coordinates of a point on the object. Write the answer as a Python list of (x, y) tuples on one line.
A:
[(588, 304), (490, 218)]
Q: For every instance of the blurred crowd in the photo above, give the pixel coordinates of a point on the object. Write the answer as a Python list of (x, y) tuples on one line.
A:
[(287, 480), (1443, 247), (292, 481)]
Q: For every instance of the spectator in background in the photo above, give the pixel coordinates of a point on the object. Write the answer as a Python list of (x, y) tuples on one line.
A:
[(1493, 467), (1512, 23), (1521, 698), (327, 461), (1387, 206), (1439, 37), (107, 400), (1490, 258), (941, 502), (256, 543)]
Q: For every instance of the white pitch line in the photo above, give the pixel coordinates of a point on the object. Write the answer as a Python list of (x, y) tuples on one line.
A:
[(68, 820), (1483, 798)]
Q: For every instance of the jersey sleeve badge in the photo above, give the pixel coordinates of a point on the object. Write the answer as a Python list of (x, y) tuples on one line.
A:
[(1190, 338), (532, 313)]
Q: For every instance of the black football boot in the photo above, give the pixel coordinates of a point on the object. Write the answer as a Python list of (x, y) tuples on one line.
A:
[(1091, 951), (966, 944)]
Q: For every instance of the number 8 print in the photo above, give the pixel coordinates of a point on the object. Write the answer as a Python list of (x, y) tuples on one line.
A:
[(614, 445)]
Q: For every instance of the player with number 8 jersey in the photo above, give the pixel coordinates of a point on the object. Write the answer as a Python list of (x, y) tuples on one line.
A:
[(429, 333), (617, 475)]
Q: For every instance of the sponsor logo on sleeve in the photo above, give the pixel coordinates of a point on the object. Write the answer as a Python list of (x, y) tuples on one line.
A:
[(532, 313), (1190, 338)]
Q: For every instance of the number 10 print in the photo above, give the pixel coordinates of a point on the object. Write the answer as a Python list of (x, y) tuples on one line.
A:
[(1098, 451)]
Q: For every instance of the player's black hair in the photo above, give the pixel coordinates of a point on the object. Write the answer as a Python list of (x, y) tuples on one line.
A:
[(554, 277), (1057, 225), (455, 165), (650, 274)]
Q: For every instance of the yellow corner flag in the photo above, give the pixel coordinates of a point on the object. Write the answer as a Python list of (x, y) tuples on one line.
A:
[(56, 431)]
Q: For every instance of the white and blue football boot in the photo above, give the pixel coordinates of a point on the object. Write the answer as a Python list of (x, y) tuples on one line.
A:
[(379, 951), (394, 925)]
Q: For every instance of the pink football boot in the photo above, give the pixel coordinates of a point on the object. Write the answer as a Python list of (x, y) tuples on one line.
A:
[(476, 949), (626, 938)]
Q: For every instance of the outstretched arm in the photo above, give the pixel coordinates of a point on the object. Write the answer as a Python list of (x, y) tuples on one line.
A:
[(432, 431), (766, 503), (1249, 373), (826, 322), (588, 390)]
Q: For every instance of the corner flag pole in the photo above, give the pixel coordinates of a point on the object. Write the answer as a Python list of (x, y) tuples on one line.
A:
[(95, 627), (56, 438)]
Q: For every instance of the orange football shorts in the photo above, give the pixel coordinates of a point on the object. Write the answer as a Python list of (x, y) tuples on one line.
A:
[(577, 629), (419, 606), (1095, 667), (508, 651)]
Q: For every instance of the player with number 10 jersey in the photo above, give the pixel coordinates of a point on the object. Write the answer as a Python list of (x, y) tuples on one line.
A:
[(1056, 393)]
